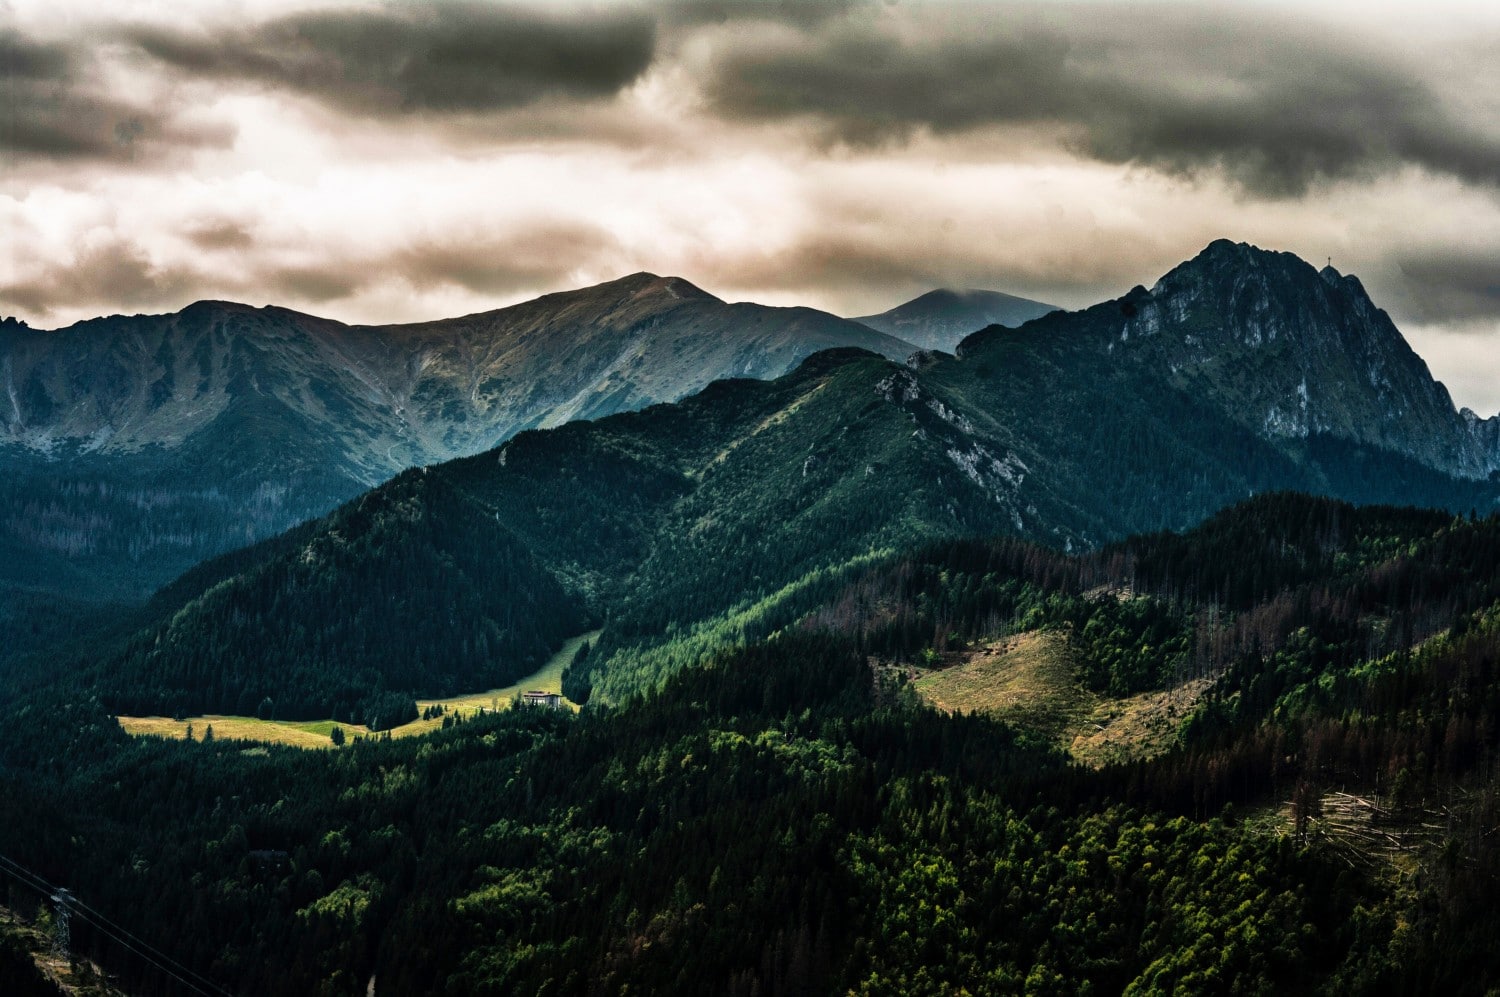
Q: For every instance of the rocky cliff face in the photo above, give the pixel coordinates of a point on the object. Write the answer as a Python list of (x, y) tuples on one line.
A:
[(1289, 351), (1486, 435)]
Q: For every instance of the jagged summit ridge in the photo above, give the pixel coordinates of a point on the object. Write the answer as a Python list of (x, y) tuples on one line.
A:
[(1306, 351), (1287, 350)]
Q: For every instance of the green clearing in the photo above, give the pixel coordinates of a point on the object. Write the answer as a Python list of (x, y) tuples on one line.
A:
[(316, 733), (548, 678)]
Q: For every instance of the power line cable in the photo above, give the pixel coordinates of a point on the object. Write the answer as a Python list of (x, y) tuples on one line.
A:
[(148, 953), (102, 929), (114, 931)]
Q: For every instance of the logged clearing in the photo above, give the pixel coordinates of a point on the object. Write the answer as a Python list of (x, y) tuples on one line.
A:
[(317, 733), (1027, 679), (1030, 680), (1368, 831), (1136, 727)]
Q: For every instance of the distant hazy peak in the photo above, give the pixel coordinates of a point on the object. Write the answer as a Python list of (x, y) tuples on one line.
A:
[(948, 296), (940, 318), (961, 294)]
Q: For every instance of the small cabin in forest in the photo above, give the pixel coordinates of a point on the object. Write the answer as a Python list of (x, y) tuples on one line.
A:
[(538, 698)]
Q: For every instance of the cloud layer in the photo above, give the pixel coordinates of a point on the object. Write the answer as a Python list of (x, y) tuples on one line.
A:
[(56, 104), (391, 161), (447, 58), (1291, 108)]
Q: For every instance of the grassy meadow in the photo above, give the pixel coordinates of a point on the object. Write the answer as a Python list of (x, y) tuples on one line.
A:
[(318, 733)]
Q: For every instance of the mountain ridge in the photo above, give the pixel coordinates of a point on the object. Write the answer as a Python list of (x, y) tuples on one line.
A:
[(233, 422), (1293, 350), (689, 527)]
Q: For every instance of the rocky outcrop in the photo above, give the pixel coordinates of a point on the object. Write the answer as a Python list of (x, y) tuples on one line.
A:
[(1291, 351)]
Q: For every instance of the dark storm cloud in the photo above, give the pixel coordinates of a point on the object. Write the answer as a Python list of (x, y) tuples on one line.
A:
[(54, 106), (219, 233), (834, 261), (319, 284), (1275, 109), (802, 13), (519, 257), (25, 59), (446, 58), (1449, 285)]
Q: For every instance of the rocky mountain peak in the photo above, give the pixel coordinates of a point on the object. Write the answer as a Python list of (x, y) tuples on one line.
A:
[(1293, 351), (212, 306)]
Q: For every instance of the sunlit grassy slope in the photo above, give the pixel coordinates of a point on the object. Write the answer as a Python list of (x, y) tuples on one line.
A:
[(317, 733), (300, 734)]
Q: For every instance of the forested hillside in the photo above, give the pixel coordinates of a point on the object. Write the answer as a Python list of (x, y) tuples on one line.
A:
[(789, 818)]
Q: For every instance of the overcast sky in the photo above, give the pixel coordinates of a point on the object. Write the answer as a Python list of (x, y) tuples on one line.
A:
[(380, 162)]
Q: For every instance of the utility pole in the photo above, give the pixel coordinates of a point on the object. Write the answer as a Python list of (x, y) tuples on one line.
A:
[(62, 932)]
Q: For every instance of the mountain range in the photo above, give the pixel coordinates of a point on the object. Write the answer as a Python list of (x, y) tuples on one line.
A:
[(684, 529), (135, 447)]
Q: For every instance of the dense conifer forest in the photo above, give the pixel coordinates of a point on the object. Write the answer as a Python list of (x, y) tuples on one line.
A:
[(790, 817)]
